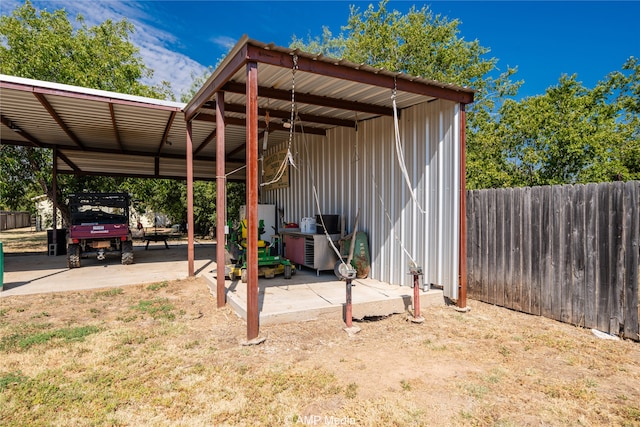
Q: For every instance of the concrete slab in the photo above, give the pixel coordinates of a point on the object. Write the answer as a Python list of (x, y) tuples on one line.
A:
[(32, 274), (307, 296)]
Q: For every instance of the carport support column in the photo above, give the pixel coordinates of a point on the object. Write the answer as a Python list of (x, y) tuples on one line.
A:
[(252, 201), (221, 201), (54, 201), (189, 154), (462, 245)]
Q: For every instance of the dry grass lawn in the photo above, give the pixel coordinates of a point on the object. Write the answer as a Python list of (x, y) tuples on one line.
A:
[(163, 355)]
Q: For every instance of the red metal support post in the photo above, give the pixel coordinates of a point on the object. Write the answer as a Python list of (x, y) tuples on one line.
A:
[(221, 200), (189, 154), (462, 245), (54, 200), (416, 296), (252, 201), (416, 272), (348, 312)]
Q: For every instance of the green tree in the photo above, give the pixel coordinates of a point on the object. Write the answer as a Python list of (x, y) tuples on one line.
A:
[(45, 46), (423, 44), (572, 134)]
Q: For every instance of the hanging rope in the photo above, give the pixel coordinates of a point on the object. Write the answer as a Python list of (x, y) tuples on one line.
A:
[(399, 152), (266, 131), (356, 156), (395, 235), (288, 159)]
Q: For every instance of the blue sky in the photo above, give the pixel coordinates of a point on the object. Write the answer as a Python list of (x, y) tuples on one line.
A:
[(544, 39)]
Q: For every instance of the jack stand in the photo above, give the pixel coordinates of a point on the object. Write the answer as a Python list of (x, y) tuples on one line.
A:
[(416, 272), (350, 329)]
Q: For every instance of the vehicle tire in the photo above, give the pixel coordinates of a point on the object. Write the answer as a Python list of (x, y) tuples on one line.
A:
[(287, 271), (244, 276), (232, 275), (127, 252), (73, 256)]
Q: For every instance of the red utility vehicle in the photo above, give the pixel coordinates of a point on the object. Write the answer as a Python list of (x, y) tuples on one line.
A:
[(100, 225)]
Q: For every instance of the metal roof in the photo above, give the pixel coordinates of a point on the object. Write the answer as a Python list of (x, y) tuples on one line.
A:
[(106, 133)]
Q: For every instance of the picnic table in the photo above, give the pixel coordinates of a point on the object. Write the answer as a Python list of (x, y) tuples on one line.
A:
[(156, 238)]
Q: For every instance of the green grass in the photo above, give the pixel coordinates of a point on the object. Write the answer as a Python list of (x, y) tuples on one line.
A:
[(157, 286), (11, 379), (159, 308), (38, 334), (108, 293)]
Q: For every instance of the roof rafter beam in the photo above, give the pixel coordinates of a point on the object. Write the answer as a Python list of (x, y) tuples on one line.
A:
[(334, 69), (167, 128), (108, 151), (306, 98), (72, 165), (54, 114), (141, 175), (237, 150), (286, 114), (33, 140), (234, 121), (112, 113), (206, 142)]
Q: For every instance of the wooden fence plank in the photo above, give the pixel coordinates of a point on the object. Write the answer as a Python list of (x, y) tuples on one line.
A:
[(517, 248), (501, 248), (477, 245), (578, 254), (536, 254), (492, 284), (617, 260), (592, 277), (508, 241), (546, 253), (565, 265), (484, 246), (525, 250), (471, 257), (604, 266), (557, 251), (632, 259)]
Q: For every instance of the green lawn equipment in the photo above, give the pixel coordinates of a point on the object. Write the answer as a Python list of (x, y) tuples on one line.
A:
[(269, 262)]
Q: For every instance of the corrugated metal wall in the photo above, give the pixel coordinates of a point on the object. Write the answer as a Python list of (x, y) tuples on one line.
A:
[(353, 169)]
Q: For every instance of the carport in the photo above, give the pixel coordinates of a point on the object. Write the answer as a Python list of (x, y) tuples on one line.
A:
[(341, 140)]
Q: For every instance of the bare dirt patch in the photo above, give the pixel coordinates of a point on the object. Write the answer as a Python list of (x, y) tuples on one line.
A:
[(162, 354), (23, 240)]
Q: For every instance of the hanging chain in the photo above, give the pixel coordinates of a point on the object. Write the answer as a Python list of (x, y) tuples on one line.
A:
[(293, 96), (289, 157)]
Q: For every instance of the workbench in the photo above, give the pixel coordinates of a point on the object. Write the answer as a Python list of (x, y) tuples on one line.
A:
[(310, 250)]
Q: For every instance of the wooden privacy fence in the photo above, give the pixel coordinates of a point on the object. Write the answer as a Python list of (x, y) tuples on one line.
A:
[(568, 252), (9, 220)]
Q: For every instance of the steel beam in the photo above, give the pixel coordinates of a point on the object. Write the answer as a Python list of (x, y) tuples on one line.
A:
[(54, 114), (190, 222), (462, 244), (221, 201), (337, 70), (307, 98), (252, 201)]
